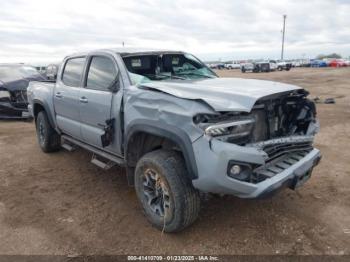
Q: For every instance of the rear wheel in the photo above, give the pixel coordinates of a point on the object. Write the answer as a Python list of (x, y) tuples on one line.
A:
[(48, 138), (166, 194)]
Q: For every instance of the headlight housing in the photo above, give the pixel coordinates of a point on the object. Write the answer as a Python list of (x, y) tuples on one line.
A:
[(4, 94), (237, 129)]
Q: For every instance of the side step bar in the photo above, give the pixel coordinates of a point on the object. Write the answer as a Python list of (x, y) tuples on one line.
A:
[(104, 165), (112, 158), (68, 146)]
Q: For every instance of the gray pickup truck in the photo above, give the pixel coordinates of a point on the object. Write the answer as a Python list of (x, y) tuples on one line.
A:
[(178, 128)]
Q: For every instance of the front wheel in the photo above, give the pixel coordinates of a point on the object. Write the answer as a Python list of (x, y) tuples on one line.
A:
[(166, 194), (48, 138)]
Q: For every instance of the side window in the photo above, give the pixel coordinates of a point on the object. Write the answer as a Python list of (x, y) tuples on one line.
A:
[(101, 73), (73, 71)]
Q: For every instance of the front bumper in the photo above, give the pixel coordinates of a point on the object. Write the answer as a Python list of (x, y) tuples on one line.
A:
[(213, 156), (10, 111)]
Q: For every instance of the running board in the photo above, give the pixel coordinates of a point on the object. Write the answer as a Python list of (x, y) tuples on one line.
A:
[(68, 147), (104, 165), (112, 158)]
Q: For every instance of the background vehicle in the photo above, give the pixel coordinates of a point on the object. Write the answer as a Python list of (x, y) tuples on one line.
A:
[(305, 63), (219, 66), (247, 67), (257, 67), (337, 63), (261, 67), (283, 65), (318, 63), (232, 65), (296, 63), (216, 65), (273, 65), (178, 128), (14, 80)]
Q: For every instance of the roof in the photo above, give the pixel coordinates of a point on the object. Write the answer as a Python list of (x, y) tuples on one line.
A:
[(149, 53), (128, 52)]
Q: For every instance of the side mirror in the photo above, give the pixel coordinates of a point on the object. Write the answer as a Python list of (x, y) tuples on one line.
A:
[(115, 85)]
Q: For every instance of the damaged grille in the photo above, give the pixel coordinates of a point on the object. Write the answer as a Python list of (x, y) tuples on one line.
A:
[(281, 153), (278, 165), (276, 150)]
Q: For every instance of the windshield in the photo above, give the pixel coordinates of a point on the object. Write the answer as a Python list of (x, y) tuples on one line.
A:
[(11, 73), (147, 67)]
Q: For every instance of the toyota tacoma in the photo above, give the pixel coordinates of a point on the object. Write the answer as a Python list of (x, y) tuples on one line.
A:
[(179, 129)]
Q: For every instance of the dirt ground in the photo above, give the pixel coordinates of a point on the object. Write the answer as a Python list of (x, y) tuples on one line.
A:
[(62, 204)]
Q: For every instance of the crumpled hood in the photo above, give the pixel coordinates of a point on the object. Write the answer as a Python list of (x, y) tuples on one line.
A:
[(19, 84), (222, 94)]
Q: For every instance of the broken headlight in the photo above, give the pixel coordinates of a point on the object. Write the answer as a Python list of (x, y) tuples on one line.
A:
[(4, 94), (234, 130)]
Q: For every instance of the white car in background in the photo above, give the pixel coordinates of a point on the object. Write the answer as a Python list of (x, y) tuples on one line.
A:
[(247, 67), (233, 65), (296, 63), (273, 65)]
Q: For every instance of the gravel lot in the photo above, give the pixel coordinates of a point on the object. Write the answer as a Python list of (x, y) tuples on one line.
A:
[(62, 204)]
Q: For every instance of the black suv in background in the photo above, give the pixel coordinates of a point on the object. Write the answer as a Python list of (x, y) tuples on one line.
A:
[(14, 80)]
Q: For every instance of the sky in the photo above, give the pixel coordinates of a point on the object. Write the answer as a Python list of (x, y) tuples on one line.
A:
[(45, 31)]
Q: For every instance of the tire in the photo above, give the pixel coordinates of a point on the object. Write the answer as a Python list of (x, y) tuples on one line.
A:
[(48, 138), (243, 70), (177, 205)]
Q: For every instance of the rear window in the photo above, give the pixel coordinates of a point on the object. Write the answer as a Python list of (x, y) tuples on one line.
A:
[(73, 71)]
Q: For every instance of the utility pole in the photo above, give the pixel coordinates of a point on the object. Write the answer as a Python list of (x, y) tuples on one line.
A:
[(283, 32)]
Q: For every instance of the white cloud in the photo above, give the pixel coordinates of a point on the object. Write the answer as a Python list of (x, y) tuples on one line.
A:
[(33, 31)]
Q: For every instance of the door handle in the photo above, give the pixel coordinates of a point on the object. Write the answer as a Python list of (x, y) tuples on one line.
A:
[(58, 95), (83, 99)]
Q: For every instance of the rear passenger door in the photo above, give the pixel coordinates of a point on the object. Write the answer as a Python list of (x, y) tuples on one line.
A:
[(66, 96), (95, 98)]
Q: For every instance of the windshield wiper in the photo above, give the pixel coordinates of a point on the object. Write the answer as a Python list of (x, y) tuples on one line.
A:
[(163, 76), (195, 74), (173, 76)]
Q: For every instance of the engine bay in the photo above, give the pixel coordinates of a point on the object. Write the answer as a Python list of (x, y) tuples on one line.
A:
[(291, 114)]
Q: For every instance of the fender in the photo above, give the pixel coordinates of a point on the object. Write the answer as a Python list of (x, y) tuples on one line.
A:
[(47, 109), (173, 133)]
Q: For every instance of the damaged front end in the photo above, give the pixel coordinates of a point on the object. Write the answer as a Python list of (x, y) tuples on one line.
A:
[(287, 115), (13, 104), (277, 134)]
